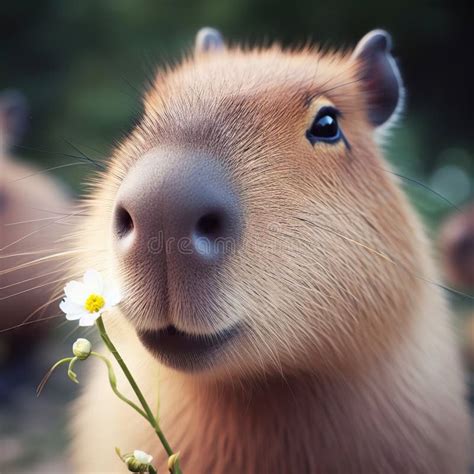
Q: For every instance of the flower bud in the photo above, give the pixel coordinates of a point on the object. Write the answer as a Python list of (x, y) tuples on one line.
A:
[(172, 461), (82, 348), (139, 461)]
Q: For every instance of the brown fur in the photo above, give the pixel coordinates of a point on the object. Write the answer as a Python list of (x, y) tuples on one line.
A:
[(347, 362)]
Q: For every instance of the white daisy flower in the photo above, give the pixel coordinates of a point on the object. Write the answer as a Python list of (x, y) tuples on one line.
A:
[(86, 300)]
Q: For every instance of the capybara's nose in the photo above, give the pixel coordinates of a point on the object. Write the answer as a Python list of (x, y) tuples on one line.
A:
[(179, 203)]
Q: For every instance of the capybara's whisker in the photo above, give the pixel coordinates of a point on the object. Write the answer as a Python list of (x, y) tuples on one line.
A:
[(45, 171), (28, 253), (39, 261), (27, 323), (424, 186), (42, 228), (35, 277), (41, 219), (65, 155), (63, 214), (43, 285), (87, 158), (41, 309)]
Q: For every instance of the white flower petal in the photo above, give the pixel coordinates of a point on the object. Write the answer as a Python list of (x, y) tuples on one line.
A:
[(112, 296), (74, 317), (76, 292), (69, 307), (88, 319), (93, 281), (142, 457)]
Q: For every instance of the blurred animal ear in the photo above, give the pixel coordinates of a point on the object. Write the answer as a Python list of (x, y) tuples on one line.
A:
[(380, 76), (13, 117), (209, 40)]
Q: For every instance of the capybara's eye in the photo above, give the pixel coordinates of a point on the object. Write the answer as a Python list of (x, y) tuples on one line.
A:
[(325, 127)]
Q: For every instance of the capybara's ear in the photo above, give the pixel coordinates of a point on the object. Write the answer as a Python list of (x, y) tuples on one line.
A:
[(208, 40), (380, 76), (13, 117)]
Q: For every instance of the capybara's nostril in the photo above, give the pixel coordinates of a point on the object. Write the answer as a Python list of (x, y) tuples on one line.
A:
[(123, 222), (210, 225), (215, 233)]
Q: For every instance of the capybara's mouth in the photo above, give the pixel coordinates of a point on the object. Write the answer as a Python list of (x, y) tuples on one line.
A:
[(185, 351)]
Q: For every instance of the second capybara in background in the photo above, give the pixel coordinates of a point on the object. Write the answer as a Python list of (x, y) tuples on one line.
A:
[(468, 341), (33, 212), (457, 247), (457, 251)]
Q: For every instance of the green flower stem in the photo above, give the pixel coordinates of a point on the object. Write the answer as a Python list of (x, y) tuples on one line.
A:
[(113, 384), (157, 415), (136, 389), (70, 372), (50, 371)]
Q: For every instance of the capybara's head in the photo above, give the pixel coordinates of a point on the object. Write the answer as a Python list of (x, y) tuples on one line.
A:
[(250, 218)]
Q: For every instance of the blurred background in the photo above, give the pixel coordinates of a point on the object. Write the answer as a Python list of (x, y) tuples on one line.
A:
[(81, 67)]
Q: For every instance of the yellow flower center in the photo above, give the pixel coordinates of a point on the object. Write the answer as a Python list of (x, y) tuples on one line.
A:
[(94, 303)]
